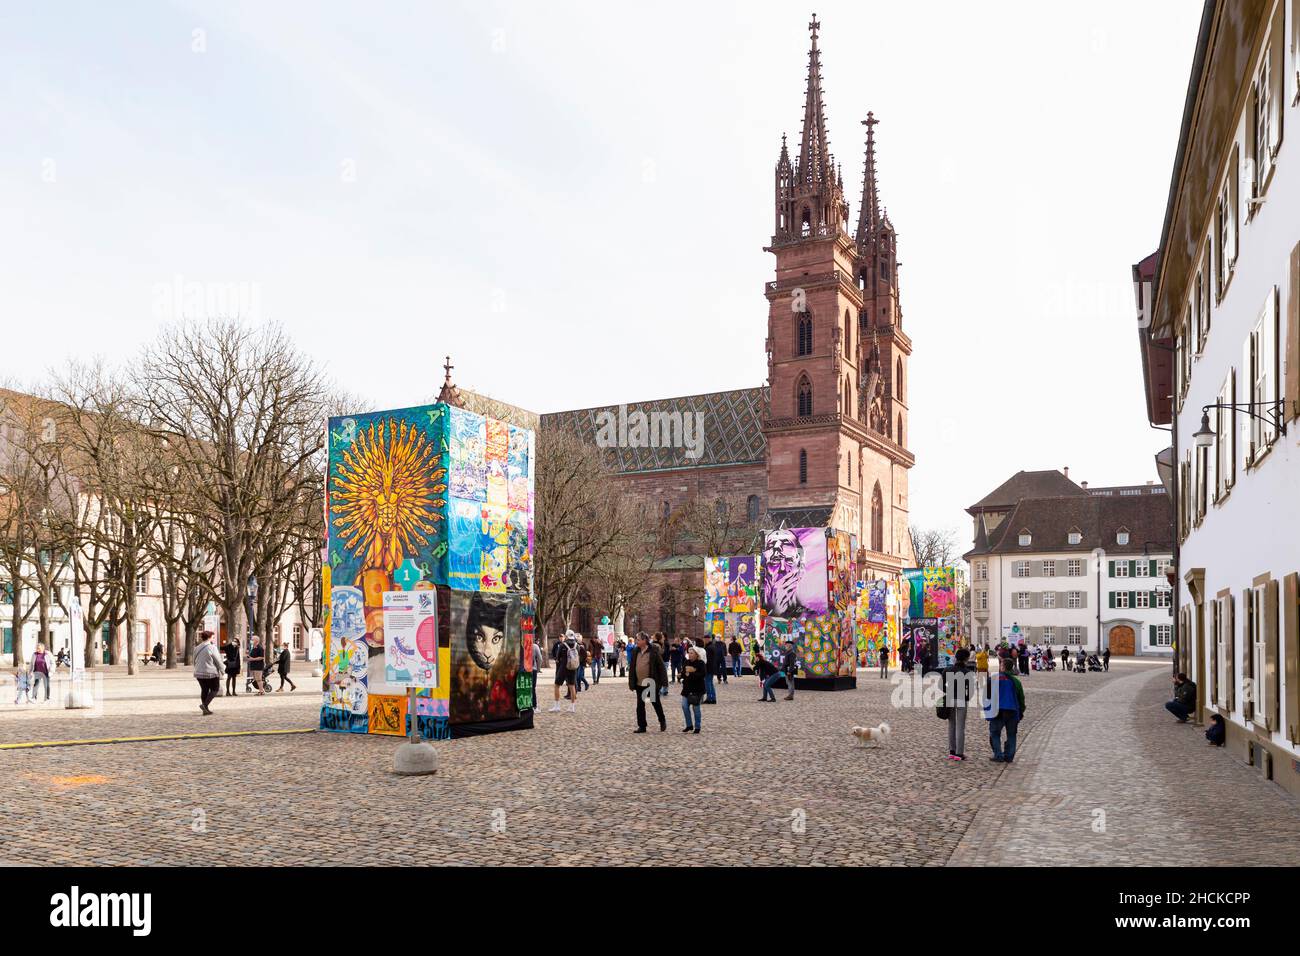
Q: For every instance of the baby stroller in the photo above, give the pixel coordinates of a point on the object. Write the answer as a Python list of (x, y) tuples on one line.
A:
[(1048, 662), (1094, 663)]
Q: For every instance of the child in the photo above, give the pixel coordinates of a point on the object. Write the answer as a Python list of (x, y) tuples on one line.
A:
[(1216, 732), (22, 682)]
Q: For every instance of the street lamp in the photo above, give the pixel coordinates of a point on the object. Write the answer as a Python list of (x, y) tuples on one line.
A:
[(1204, 436)]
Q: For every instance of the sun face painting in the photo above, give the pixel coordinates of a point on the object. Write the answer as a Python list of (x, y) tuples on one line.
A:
[(388, 493)]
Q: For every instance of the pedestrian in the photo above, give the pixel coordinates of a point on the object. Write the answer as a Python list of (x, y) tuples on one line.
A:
[(1184, 703), (566, 672), (257, 664), (207, 671), (660, 642), (789, 668), (22, 685), (1003, 710), (628, 649), (723, 671), (231, 650), (538, 660), (956, 696), (884, 661), (581, 683), (596, 655), (1081, 662), (1105, 659), (282, 668), (156, 656), (1217, 732), (647, 676), (766, 672), (982, 659), (676, 660), (620, 658), (42, 664), (1066, 662), (713, 656), (692, 689), (736, 650)]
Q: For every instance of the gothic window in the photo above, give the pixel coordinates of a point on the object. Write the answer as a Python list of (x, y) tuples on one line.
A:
[(720, 507), (848, 468), (751, 508), (898, 380), (848, 396), (667, 510), (803, 393), (805, 227), (584, 614), (803, 466), (804, 341), (668, 611), (899, 436), (848, 333), (877, 520)]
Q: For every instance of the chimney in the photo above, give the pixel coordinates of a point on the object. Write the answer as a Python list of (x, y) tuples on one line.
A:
[(1084, 486), (1067, 471)]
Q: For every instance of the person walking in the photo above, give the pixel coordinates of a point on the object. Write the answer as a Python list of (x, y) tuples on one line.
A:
[(647, 676), (207, 671), (628, 650), (42, 666), (692, 689), (22, 685), (1003, 711), (257, 664), (723, 671), (1024, 658), (566, 672), (1065, 659), (231, 651), (282, 668), (957, 680), (736, 650), (1105, 659), (884, 661), (596, 655)]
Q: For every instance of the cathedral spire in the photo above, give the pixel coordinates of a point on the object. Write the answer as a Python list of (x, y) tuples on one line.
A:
[(869, 210), (815, 164)]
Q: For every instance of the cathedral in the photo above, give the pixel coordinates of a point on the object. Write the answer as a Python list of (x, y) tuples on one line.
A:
[(824, 442)]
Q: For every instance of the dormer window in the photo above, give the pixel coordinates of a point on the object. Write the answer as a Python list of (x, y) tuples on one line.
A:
[(1121, 536), (1075, 536), (1026, 539)]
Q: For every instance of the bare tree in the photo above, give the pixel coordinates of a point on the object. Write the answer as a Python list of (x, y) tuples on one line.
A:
[(622, 573), (576, 520), (933, 547), (244, 412)]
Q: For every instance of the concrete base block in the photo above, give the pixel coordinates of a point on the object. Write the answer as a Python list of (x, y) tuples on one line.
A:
[(411, 760), (78, 699)]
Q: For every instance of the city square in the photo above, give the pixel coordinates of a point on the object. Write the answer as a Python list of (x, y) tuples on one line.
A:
[(590, 437)]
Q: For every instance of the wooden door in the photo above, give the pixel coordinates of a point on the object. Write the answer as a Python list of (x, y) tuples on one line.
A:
[(1122, 641)]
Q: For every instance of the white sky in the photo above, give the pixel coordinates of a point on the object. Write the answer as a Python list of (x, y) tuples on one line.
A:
[(572, 198)]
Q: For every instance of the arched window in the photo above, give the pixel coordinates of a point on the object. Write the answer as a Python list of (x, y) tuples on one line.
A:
[(898, 380), (667, 510), (806, 222), (751, 508), (899, 437), (848, 468), (803, 395), (877, 520), (804, 338), (848, 396), (720, 507), (803, 466), (668, 611), (584, 614), (848, 333)]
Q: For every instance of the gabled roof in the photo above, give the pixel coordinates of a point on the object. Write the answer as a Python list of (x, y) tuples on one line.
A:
[(1027, 484), (1147, 518)]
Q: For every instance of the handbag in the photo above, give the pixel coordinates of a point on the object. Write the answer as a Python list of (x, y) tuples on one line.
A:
[(694, 699), (941, 712)]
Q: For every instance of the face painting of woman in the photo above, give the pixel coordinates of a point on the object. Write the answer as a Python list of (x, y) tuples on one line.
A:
[(485, 632)]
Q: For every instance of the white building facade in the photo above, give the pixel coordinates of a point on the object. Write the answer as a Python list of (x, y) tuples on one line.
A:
[(1224, 295)]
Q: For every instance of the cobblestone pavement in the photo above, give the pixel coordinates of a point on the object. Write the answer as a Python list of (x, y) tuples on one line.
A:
[(1165, 797), (763, 784)]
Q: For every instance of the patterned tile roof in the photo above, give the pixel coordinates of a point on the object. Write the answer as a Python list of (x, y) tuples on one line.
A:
[(501, 411), (732, 425)]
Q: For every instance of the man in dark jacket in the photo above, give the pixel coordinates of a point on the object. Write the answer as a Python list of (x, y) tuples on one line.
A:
[(282, 668), (736, 651), (647, 676), (714, 656), (1184, 702)]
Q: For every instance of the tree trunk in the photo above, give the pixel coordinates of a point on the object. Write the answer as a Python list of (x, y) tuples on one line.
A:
[(173, 632), (43, 620), (130, 627), (17, 628), (191, 632)]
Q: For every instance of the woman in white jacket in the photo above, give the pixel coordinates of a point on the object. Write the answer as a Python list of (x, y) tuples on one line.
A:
[(207, 671)]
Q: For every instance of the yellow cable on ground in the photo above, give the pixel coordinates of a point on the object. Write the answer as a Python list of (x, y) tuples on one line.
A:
[(30, 745)]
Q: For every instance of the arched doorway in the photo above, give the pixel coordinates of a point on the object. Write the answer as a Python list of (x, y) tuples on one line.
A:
[(1122, 641)]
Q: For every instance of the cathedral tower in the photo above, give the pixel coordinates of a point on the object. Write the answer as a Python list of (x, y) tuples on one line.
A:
[(837, 356)]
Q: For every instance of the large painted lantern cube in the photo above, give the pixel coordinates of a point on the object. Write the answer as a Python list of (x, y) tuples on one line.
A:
[(438, 500)]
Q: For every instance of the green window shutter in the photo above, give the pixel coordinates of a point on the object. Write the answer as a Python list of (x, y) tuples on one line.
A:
[(1132, 569), (1151, 568), (1112, 571), (8, 641), (1112, 598), (1151, 635)]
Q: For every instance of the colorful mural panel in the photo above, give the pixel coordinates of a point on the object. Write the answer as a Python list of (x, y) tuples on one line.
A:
[(794, 572), (486, 637), (742, 583)]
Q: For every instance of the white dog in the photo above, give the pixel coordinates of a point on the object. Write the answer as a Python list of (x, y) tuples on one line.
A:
[(880, 734)]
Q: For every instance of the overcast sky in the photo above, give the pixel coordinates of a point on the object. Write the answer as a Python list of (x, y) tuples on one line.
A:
[(573, 198)]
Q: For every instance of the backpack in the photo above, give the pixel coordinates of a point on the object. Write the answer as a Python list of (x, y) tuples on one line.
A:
[(570, 656)]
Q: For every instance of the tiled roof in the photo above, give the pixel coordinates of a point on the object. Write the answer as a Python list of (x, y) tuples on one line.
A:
[(732, 423), (501, 411), (1027, 484), (1147, 518), (797, 517)]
